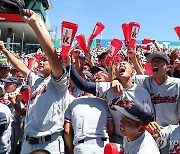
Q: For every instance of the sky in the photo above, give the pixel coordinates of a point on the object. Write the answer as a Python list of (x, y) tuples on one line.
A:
[(157, 18)]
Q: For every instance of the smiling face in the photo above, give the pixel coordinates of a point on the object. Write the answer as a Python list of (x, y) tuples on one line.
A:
[(159, 67), (124, 69), (129, 128)]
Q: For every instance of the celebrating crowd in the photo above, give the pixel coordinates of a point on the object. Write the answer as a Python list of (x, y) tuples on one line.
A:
[(82, 103)]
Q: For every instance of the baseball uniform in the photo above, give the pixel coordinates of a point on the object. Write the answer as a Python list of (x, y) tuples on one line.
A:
[(45, 113), (104, 91), (164, 97), (88, 117), (5, 119), (169, 137), (145, 144)]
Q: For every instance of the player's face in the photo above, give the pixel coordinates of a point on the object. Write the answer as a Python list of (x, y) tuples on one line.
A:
[(100, 77), (9, 87), (128, 127), (124, 69), (159, 67), (44, 67)]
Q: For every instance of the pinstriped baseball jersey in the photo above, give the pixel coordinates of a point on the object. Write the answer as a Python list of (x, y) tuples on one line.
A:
[(129, 94), (48, 100), (5, 118), (165, 98)]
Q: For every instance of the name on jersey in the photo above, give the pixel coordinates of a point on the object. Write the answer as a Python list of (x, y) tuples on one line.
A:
[(163, 99), (120, 102)]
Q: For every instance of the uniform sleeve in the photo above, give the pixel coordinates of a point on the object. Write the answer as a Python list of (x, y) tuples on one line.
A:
[(102, 88), (61, 84), (68, 114), (139, 79)]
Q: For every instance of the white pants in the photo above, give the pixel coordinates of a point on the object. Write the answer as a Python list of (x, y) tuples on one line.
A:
[(90, 146), (55, 146)]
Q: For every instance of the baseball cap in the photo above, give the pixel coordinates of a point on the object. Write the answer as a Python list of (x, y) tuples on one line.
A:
[(161, 55), (138, 111), (97, 69), (4, 65), (11, 79)]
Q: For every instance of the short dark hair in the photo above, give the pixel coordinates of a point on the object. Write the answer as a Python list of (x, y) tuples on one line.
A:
[(43, 151)]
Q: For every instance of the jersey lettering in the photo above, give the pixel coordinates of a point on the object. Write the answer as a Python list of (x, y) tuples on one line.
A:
[(160, 99)]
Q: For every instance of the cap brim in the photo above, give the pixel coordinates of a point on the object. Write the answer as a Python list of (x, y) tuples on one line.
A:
[(8, 81), (124, 112), (151, 56)]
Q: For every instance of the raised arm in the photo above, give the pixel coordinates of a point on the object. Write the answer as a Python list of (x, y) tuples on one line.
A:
[(47, 46), (19, 65)]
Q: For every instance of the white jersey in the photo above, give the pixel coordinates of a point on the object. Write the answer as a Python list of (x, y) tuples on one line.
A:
[(165, 98), (48, 101), (145, 144), (88, 117), (129, 94), (5, 119), (170, 136)]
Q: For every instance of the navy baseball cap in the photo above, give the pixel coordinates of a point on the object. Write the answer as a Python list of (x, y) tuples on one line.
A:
[(11, 79), (95, 69), (138, 111), (161, 55)]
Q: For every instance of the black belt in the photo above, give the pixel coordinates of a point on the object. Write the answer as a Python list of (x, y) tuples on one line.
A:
[(34, 140), (102, 139)]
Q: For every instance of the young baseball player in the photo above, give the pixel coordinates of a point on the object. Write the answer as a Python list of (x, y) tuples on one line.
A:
[(135, 116), (5, 129), (90, 121), (49, 95), (124, 73)]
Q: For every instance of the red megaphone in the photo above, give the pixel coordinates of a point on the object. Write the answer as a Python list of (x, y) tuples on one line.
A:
[(125, 29), (116, 45), (145, 47), (71, 51), (68, 31), (134, 28), (147, 40), (113, 148), (118, 59), (177, 30), (32, 64), (148, 68), (97, 30), (25, 91), (82, 42)]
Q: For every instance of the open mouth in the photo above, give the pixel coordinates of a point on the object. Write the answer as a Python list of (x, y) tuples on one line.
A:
[(155, 69), (122, 69)]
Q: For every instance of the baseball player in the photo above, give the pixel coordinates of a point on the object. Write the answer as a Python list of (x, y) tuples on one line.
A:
[(169, 137), (90, 120), (49, 95), (104, 90), (135, 116), (5, 129), (10, 86), (164, 90)]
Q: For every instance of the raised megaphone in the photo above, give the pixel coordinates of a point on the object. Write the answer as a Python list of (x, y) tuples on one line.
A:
[(68, 32), (177, 30)]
